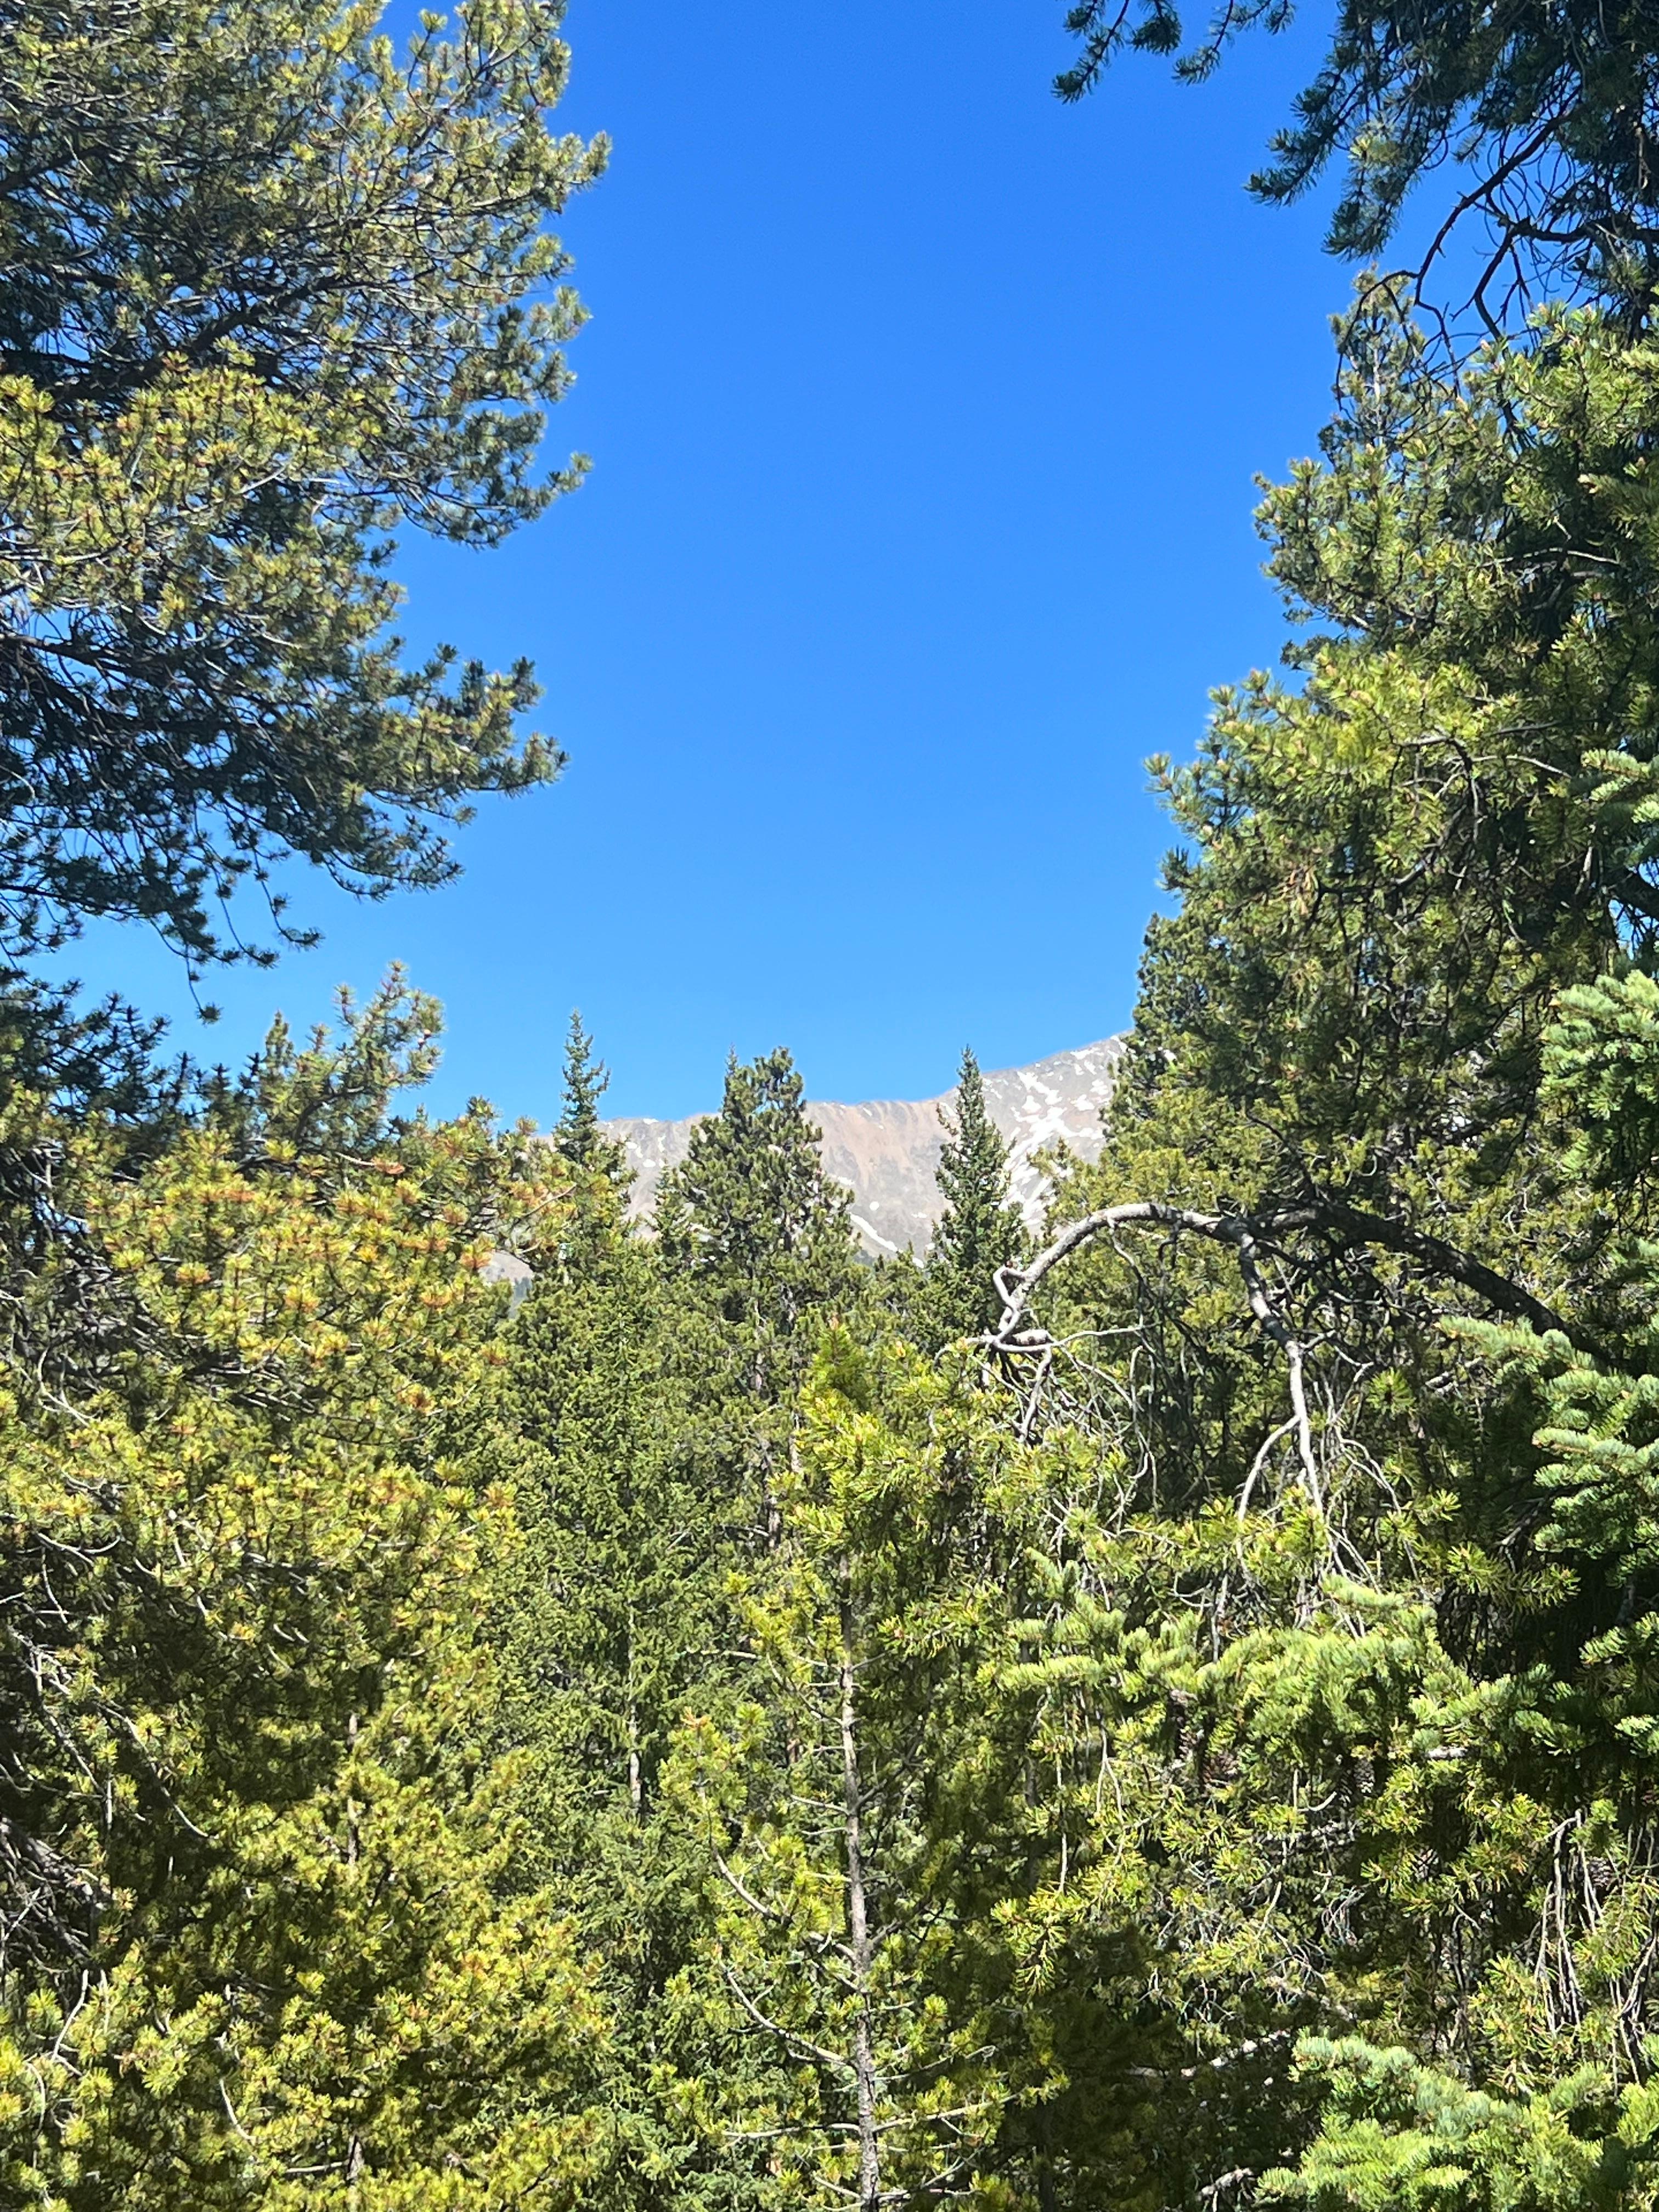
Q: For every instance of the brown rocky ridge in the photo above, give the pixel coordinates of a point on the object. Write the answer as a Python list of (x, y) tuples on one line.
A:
[(886, 1150)]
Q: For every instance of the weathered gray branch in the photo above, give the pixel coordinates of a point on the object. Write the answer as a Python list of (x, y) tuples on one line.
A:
[(804, 2043), (1246, 1233)]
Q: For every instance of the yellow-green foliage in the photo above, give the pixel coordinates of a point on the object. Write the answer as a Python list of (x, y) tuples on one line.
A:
[(276, 1955)]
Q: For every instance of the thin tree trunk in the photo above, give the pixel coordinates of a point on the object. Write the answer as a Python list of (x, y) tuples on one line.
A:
[(1048, 2196), (858, 1923), (635, 1772), (772, 1512)]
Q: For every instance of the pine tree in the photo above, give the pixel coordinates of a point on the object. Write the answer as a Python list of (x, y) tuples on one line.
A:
[(979, 1230), (265, 1911), (763, 1243), (272, 293), (654, 1379), (1548, 117), (1309, 1679), (859, 1807), (1398, 2135)]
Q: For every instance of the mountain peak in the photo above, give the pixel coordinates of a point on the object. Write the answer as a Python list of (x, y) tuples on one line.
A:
[(886, 1150)]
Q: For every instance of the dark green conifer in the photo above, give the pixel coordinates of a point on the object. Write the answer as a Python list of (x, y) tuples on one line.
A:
[(599, 1174), (580, 1133), (622, 1526), (750, 1222), (654, 1383), (616, 1620), (980, 1231), (762, 1241)]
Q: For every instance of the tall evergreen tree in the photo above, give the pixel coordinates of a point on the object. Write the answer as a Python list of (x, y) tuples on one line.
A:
[(763, 1242), (751, 1222), (616, 1618), (1351, 1600), (654, 1379), (269, 292), (861, 1806), (597, 1165), (579, 1133), (979, 1230)]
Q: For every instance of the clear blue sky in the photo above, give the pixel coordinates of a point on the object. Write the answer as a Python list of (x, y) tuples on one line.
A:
[(924, 413)]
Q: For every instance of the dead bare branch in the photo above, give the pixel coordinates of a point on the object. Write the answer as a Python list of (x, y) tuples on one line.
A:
[(1246, 1233)]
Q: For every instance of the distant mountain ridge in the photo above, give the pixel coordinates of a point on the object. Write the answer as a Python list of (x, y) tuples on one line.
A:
[(886, 1151)]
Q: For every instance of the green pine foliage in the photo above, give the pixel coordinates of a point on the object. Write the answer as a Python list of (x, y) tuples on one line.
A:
[(272, 290), (760, 1243), (978, 1231), (1400, 2137), (1372, 1710), (613, 1618), (580, 1133), (857, 1805), (269, 1934), (268, 1939), (595, 1164), (750, 1222), (655, 1379), (1547, 113), (747, 1730)]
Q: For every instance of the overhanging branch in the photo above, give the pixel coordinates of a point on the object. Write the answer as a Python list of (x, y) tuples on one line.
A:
[(1246, 1233)]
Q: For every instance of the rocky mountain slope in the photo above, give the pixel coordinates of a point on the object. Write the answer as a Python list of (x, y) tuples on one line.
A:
[(887, 1150)]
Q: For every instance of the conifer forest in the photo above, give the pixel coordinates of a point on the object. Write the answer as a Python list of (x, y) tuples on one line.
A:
[(1154, 1713)]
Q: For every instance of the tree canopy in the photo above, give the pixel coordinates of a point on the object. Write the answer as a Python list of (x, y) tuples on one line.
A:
[(1159, 1716), (1545, 115), (270, 292)]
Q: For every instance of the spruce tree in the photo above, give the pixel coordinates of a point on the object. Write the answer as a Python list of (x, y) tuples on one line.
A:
[(597, 1163), (654, 1379), (757, 1233), (617, 1617), (763, 1243), (751, 1222), (580, 1132), (979, 1229)]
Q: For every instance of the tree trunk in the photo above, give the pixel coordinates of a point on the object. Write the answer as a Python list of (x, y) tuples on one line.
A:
[(771, 1511), (635, 1771), (858, 1923)]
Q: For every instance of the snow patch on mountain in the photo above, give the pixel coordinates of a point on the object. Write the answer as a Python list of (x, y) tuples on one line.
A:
[(886, 1151)]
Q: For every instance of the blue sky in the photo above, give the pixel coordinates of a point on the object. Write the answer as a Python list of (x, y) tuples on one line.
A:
[(924, 413)]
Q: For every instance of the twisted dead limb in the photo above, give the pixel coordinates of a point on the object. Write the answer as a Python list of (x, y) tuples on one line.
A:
[(1246, 1233)]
